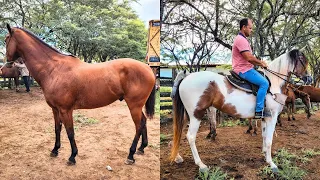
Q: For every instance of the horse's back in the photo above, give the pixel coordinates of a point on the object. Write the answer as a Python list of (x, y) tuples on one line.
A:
[(133, 69), (200, 80)]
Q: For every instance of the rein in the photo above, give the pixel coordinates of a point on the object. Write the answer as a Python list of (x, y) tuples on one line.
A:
[(3, 65), (279, 75)]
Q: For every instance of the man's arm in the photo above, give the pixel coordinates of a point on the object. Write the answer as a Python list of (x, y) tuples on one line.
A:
[(253, 60)]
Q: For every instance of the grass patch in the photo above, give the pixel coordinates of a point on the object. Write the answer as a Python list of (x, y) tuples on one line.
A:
[(165, 112), (154, 146), (157, 105), (165, 89), (288, 165), (166, 104), (163, 138), (301, 111), (82, 120), (310, 153), (315, 108), (213, 174), (232, 123)]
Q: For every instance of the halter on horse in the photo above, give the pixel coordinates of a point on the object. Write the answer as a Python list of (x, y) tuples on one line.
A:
[(200, 90)]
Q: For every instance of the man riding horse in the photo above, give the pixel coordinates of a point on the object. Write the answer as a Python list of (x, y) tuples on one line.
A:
[(243, 64)]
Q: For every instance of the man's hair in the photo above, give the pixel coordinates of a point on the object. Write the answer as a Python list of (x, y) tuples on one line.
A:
[(243, 22)]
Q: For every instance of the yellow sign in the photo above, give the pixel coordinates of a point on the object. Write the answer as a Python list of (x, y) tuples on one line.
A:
[(153, 49)]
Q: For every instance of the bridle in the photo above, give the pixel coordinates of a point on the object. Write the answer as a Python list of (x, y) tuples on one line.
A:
[(280, 75), (7, 44)]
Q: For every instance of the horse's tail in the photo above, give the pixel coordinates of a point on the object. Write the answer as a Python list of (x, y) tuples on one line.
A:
[(149, 106), (178, 122)]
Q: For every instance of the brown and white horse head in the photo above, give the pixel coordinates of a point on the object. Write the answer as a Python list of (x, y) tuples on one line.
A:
[(11, 45), (300, 62)]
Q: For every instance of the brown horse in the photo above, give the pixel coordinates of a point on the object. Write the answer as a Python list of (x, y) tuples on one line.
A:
[(294, 93), (313, 92), (69, 84), (10, 72)]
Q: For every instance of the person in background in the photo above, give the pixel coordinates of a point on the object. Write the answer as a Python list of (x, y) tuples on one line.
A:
[(24, 72)]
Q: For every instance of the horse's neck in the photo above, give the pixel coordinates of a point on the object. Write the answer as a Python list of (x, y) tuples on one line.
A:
[(279, 66), (37, 57)]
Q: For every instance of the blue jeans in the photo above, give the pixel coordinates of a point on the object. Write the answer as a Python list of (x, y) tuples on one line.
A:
[(26, 80), (256, 78)]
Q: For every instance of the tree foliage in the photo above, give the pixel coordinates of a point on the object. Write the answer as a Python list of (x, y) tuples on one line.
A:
[(279, 25), (94, 30)]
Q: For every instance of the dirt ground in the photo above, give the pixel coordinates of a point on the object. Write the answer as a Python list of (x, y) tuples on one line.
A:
[(239, 154), (27, 137)]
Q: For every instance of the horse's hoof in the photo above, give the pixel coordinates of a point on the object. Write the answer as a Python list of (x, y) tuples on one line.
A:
[(70, 163), (53, 154), (248, 132), (254, 134), (129, 161), (139, 152), (206, 169), (275, 170)]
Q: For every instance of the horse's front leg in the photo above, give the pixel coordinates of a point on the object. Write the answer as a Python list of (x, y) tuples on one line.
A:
[(16, 82), (269, 131), (57, 125), (66, 117), (263, 134)]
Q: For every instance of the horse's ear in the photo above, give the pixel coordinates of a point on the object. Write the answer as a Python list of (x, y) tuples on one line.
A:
[(184, 71), (9, 29)]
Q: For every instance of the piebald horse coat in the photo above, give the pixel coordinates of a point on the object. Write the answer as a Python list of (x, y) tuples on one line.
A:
[(200, 90)]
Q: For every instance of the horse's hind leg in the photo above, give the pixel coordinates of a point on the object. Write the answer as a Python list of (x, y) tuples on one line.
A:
[(293, 111), (255, 129), (144, 135), (191, 136), (136, 113), (250, 127), (58, 124), (211, 113), (289, 107)]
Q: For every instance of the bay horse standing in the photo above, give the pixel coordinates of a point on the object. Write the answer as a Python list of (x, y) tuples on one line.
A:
[(10, 72), (69, 84), (200, 90)]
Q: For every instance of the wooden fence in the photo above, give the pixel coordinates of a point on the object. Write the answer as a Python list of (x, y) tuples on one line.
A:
[(164, 97), (9, 82)]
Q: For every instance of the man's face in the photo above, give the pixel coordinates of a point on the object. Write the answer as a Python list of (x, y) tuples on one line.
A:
[(248, 29)]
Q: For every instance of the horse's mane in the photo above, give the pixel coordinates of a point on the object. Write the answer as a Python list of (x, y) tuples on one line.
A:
[(44, 43), (278, 62)]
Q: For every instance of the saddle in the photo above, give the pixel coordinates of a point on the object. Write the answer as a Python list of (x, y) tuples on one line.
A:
[(243, 84)]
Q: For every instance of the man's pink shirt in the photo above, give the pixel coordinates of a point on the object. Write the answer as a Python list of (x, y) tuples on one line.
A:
[(239, 64)]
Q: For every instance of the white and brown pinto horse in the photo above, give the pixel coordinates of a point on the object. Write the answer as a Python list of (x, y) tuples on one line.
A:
[(200, 90)]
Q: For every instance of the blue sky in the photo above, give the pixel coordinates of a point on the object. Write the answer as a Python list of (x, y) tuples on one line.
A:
[(147, 10)]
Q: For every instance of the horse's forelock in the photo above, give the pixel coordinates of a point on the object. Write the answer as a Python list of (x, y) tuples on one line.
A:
[(294, 55)]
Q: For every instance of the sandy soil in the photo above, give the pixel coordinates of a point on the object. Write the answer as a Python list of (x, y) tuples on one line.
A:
[(239, 154), (27, 137)]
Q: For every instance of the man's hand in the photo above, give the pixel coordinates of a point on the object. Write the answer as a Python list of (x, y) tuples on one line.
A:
[(264, 64)]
